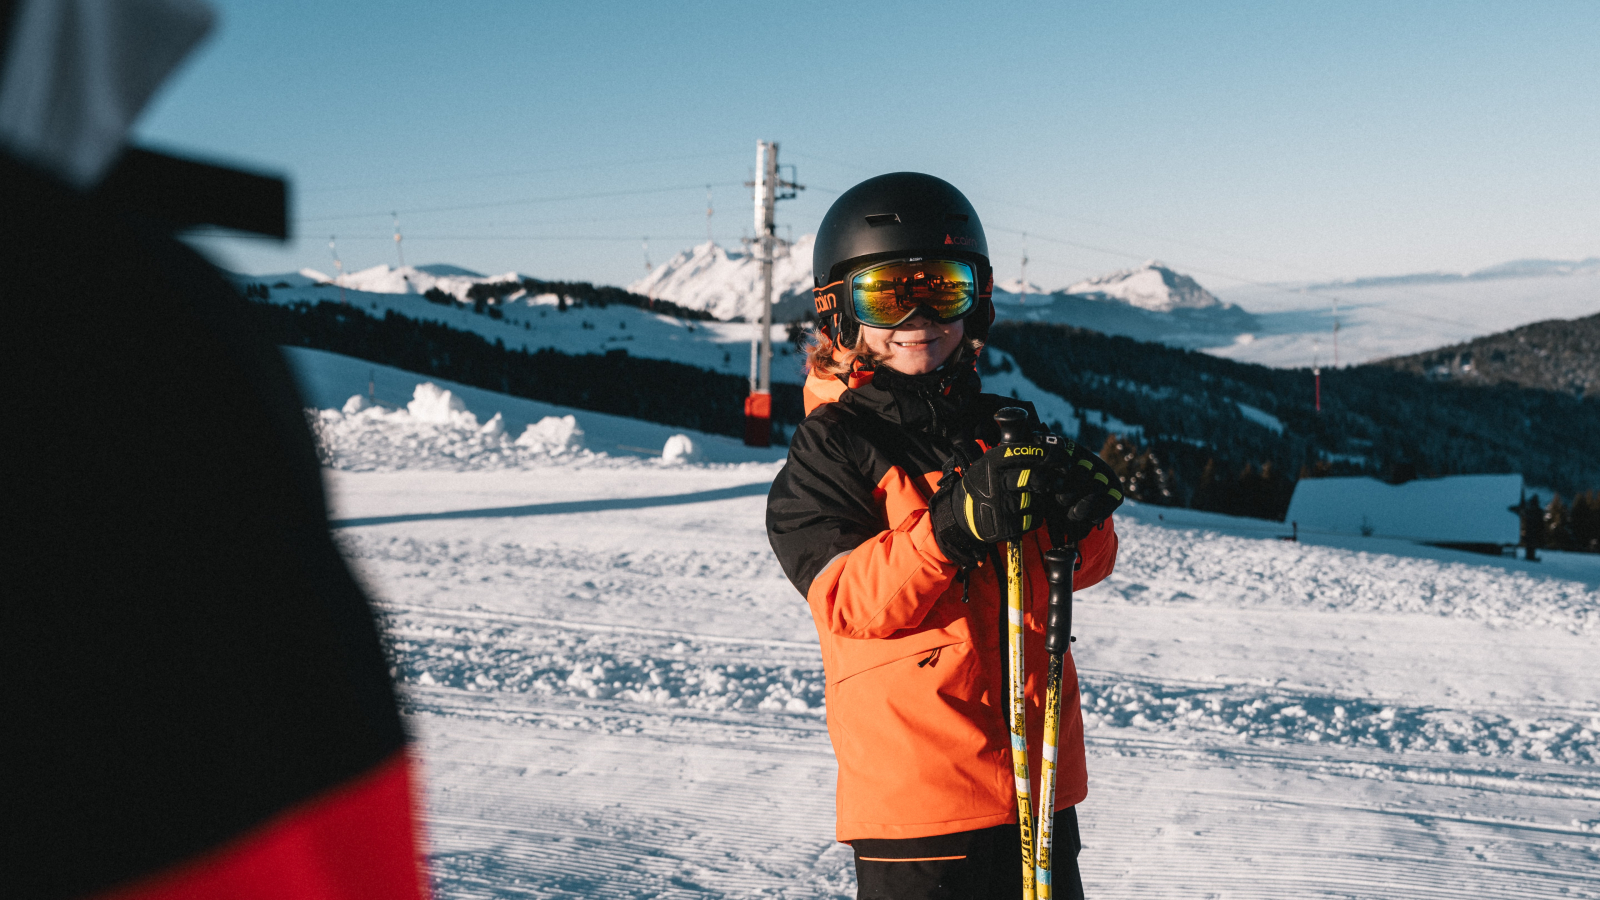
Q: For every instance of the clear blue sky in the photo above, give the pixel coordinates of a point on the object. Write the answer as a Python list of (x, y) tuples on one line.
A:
[(1267, 141)]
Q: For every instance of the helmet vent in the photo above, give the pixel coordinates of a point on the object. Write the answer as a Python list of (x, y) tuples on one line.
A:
[(883, 219)]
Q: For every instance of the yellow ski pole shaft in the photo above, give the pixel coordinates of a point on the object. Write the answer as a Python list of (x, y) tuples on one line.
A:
[(1058, 565), (1013, 424), (1019, 713)]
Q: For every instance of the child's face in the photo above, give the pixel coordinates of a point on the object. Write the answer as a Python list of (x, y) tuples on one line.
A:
[(916, 346)]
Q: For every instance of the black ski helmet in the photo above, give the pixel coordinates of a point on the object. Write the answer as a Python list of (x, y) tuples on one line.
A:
[(891, 217)]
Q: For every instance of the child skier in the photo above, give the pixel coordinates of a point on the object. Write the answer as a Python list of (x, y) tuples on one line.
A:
[(889, 516)]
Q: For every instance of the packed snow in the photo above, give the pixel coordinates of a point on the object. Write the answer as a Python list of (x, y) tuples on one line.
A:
[(615, 693)]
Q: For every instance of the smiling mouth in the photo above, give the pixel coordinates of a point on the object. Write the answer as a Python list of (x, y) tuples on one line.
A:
[(922, 343)]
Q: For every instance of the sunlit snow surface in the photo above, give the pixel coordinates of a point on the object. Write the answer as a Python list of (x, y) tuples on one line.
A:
[(615, 693)]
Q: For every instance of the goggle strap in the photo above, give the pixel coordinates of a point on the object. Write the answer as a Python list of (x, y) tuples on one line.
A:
[(826, 300)]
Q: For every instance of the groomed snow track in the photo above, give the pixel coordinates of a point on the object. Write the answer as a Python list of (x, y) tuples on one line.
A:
[(624, 700)]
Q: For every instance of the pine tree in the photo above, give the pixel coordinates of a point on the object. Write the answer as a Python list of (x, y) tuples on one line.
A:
[(1206, 494), (1586, 522), (1558, 526)]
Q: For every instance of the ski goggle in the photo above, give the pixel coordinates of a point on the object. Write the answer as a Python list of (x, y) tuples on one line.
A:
[(887, 294)]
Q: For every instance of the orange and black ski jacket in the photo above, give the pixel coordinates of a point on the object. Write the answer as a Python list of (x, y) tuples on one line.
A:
[(916, 673)]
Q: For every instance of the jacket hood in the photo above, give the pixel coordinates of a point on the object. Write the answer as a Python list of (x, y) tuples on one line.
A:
[(932, 402)]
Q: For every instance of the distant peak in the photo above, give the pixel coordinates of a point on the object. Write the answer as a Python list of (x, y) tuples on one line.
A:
[(1151, 286)]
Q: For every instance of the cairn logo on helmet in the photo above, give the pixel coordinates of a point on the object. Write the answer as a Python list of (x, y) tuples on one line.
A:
[(824, 299)]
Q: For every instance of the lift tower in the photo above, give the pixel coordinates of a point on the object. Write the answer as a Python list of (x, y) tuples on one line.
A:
[(769, 189)]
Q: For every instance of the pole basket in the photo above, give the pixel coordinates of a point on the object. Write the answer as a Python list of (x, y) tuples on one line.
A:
[(758, 419)]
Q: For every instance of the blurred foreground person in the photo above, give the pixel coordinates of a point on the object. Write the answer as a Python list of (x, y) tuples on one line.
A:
[(890, 516), (197, 702)]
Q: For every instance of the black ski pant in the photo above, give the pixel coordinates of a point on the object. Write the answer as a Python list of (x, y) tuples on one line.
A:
[(967, 865)]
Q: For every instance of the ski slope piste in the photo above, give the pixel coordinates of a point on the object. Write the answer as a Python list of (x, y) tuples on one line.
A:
[(616, 693)]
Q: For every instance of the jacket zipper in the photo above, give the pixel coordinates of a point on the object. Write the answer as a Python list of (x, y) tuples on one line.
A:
[(932, 659)]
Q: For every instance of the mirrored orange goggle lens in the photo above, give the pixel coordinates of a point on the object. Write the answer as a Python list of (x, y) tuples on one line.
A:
[(886, 295)]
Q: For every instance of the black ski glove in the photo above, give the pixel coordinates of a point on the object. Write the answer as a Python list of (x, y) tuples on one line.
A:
[(992, 500), (1082, 489)]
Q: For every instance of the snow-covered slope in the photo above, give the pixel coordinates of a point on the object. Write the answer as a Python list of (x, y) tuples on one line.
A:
[(1151, 286), (615, 693), (727, 283), (536, 322)]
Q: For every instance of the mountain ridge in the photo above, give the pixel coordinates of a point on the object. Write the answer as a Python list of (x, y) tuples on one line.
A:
[(1517, 268), (1560, 355)]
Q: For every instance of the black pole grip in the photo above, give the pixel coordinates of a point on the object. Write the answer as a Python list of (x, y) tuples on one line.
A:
[(1013, 422), (1058, 565)]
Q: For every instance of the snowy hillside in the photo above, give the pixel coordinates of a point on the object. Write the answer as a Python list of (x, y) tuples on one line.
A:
[(727, 283), (540, 321), (615, 693), (1151, 286)]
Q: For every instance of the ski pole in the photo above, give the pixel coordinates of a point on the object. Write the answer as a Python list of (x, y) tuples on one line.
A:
[(1013, 430), (1058, 565)]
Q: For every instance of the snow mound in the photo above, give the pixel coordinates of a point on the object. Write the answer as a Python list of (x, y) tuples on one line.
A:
[(437, 431), (680, 448), (555, 435), (436, 406), (727, 284), (1151, 286)]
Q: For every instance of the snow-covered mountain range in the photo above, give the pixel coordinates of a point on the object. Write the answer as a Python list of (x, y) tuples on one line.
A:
[(382, 279), (1274, 324), (727, 283), (1151, 302)]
